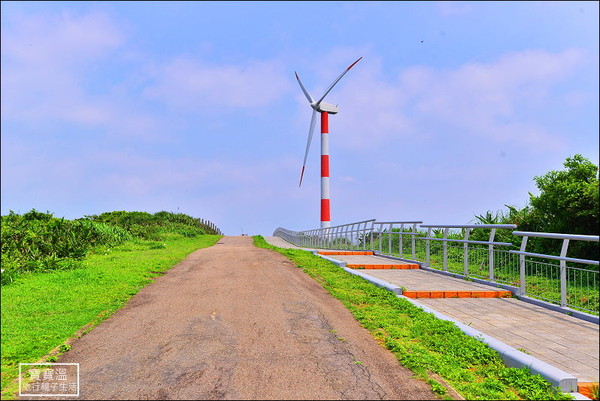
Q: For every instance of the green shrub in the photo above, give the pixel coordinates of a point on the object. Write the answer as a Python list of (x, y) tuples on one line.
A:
[(37, 241), (40, 242)]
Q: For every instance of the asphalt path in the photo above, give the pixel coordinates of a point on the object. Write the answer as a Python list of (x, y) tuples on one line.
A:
[(237, 322)]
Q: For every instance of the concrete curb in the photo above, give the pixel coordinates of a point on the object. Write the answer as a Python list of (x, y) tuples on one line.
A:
[(379, 283), (511, 356), (332, 260)]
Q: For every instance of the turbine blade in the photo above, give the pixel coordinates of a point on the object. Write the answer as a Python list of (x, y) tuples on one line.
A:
[(337, 80), (308, 96), (313, 121)]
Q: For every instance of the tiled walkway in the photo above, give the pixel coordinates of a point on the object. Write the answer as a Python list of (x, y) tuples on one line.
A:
[(566, 342)]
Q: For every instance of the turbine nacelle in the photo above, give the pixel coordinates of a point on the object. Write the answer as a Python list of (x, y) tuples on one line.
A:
[(325, 108)]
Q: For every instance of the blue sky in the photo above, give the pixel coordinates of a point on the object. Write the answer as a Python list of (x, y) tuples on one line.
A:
[(193, 107)]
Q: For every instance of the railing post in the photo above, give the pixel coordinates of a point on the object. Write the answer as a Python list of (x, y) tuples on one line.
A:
[(491, 255), (522, 266), (445, 249), (390, 240), (427, 250), (563, 273), (400, 237), (413, 241), (466, 252)]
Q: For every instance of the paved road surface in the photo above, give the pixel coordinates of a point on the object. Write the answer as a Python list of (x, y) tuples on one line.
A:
[(236, 322)]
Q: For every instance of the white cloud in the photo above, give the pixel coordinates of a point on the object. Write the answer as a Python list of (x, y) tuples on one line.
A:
[(58, 41), (484, 99), (53, 71), (502, 100), (452, 8), (46, 59), (197, 85)]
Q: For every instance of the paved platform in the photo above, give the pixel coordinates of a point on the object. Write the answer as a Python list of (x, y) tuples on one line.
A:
[(565, 342), (281, 243), (371, 261), (421, 280)]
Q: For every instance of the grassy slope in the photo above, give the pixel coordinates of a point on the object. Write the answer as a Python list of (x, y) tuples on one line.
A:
[(40, 311), (420, 341)]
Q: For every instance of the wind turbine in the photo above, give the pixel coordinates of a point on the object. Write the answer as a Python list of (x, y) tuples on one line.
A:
[(325, 109)]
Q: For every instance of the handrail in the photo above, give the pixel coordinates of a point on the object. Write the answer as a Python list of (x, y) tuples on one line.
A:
[(471, 226), (578, 237), (503, 263), (541, 255), (468, 241)]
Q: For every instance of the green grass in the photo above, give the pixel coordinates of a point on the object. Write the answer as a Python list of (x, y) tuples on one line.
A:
[(420, 341), (41, 310)]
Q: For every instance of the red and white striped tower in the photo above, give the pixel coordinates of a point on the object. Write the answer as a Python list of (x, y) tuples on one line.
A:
[(324, 109), (325, 204)]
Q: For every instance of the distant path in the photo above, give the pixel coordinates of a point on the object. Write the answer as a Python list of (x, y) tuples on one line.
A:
[(237, 322)]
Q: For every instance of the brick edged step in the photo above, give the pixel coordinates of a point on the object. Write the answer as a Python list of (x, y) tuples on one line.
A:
[(345, 253), (457, 294), (396, 266), (586, 389)]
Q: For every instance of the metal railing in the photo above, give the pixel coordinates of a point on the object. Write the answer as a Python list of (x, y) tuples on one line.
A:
[(460, 249), (471, 258), (344, 236), (567, 285), (384, 232)]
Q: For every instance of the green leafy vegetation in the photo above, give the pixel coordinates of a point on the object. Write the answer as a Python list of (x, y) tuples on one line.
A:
[(595, 393), (37, 241), (567, 203), (154, 226), (420, 341)]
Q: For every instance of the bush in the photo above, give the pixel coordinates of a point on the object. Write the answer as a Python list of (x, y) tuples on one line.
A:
[(153, 226), (38, 242)]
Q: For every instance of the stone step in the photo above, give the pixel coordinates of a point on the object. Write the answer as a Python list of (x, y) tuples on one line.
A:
[(457, 294), (328, 253), (390, 266), (587, 389)]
